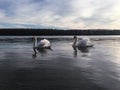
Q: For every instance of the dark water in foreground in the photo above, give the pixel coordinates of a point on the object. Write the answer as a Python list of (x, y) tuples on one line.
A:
[(96, 68)]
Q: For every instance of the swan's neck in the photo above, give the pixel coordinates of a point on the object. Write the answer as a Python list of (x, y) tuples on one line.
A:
[(75, 41), (35, 42)]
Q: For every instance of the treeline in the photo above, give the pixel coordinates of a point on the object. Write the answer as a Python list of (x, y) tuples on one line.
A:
[(58, 32)]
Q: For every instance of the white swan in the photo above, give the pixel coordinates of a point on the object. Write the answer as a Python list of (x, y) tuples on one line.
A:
[(82, 42), (42, 44)]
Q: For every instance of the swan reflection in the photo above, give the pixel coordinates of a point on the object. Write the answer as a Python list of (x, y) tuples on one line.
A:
[(83, 50), (42, 51)]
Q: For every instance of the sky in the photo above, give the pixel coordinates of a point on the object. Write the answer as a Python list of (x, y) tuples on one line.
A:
[(60, 14)]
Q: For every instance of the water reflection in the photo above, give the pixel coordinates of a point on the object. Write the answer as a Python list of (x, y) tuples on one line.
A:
[(84, 50), (42, 51), (100, 66)]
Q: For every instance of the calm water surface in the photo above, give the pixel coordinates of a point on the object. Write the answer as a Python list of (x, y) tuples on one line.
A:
[(61, 68)]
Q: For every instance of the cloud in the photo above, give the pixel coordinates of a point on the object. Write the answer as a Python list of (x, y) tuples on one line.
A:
[(61, 13), (2, 14)]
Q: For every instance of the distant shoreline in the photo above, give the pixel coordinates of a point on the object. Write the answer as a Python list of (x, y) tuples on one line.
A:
[(53, 32)]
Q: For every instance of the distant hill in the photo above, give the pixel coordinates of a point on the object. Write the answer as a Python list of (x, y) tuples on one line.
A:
[(29, 31)]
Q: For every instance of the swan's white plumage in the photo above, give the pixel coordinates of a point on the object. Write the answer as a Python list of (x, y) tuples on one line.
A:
[(84, 42), (44, 43)]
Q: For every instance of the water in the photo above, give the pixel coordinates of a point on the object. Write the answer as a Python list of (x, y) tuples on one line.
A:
[(61, 68)]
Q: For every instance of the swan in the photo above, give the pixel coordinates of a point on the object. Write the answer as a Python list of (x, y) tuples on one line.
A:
[(40, 46), (43, 44), (83, 42)]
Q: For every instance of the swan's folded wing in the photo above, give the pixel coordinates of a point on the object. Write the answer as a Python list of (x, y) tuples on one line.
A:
[(47, 43), (41, 44), (44, 43)]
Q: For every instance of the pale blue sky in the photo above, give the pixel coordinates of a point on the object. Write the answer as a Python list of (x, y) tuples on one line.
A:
[(65, 14)]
